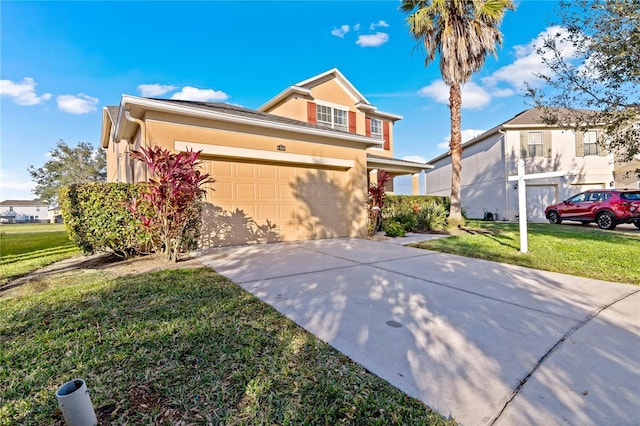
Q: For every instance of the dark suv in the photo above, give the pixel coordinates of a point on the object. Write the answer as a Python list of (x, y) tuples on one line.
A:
[(606, 207)]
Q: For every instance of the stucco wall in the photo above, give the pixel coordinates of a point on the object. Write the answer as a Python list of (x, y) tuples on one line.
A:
[(485, 169)]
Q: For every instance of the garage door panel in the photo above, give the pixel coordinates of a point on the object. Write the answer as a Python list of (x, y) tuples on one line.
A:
[(267, 191), (301, 202), (538, 197), (222, 190), (219, 169), (244, 170), (267, 171), (267, 212), (245, 191)]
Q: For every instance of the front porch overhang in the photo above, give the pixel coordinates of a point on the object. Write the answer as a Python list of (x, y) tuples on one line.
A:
[(395, 166)]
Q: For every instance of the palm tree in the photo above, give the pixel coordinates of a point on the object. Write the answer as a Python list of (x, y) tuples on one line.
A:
[(462, 32)]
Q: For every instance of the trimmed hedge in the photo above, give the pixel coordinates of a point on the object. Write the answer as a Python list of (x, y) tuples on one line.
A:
[(98, 218)]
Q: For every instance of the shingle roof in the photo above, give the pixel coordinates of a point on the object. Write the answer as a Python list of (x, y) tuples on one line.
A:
[(23, 203), (246, 112)]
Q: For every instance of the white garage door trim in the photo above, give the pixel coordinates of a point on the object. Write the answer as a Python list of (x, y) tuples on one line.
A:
[(262, 155)]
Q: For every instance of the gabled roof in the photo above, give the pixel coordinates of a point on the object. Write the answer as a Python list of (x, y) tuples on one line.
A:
[(304, 88), (212, 110), (23, 203), (530, 118)]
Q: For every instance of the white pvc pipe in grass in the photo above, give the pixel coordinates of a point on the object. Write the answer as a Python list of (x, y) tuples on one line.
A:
[(75, 404)]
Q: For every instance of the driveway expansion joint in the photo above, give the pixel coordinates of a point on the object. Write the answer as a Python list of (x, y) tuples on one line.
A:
[(553, 348)]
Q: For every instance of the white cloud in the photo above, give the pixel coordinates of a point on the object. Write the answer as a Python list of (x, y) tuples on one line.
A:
[(79, 104), (473, 96), (502, 93), (189, 93), (528, 62), (340, 32), (356, 27), (373, 40), (23, 93), (415, 158), (467, 135), (153, 90), (380, 23), (14, 186)]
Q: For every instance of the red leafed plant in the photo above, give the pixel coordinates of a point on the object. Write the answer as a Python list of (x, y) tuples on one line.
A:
[(174, 196), (376, 200)]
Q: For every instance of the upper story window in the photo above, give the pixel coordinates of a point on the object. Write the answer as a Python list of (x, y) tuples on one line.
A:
[(376, 128), (590, 139), (332, 117), (587, 144), (535, 146)]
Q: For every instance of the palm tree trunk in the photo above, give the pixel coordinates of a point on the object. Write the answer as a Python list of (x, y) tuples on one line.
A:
[(455, 101)]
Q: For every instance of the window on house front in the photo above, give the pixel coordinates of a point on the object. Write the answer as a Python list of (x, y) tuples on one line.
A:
[(535, 146), (10, 208), (590, 139), (334, 118), (376, 128)]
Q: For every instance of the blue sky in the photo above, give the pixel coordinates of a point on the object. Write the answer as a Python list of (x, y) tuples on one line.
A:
[(61, 62)]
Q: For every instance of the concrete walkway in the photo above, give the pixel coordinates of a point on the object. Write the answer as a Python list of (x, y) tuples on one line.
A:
[(483, 342)]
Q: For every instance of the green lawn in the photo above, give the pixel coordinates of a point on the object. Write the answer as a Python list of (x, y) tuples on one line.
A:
[(25, 248), (572, 249), (26, 228), (185, 345)]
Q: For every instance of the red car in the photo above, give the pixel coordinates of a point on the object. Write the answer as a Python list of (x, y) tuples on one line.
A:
[(606, 207)]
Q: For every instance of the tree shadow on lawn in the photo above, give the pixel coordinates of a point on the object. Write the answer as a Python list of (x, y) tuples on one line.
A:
[(185, 345)]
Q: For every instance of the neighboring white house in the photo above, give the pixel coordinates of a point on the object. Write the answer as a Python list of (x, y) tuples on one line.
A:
[(21, 211), (490, 158)]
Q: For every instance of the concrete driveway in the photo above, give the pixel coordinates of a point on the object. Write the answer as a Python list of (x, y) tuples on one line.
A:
[(483, 342)]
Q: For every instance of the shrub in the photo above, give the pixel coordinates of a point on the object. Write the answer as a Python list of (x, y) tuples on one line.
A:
[(430, 216), (417, 213), (376, 197), (394, 229), (97, 217), (171, 204)]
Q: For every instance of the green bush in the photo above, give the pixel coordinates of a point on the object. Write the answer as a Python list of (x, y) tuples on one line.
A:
[(430, 216), (98, 218), (417, 213), (394, 229)]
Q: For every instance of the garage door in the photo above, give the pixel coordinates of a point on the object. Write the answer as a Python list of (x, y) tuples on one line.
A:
[(539, 197), (264, 203)]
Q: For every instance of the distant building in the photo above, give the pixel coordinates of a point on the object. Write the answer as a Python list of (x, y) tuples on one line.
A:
[(490, 158), (55, 215), (24, 211)]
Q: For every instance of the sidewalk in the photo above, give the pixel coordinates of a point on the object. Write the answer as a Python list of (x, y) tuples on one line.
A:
[(483, 342)]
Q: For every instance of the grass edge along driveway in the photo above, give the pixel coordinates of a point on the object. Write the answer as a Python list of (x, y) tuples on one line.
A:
[(570, 249), (182, 345)]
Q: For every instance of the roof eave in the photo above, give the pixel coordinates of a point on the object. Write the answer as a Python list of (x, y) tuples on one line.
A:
[(393, 165), (286, 93), (368, 141)]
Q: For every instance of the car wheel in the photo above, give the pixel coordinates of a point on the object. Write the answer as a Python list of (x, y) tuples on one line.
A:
[(554, 217), (606, 220)]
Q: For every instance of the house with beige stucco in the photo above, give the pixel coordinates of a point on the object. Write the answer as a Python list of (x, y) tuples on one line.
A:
[(296, 168), (575, 159)]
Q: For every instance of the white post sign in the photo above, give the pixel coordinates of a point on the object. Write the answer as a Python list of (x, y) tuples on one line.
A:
[(522, 197), (522, 208)]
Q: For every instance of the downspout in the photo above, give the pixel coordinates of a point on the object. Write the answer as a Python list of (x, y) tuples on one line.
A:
[(143, 135), (506, 173)]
